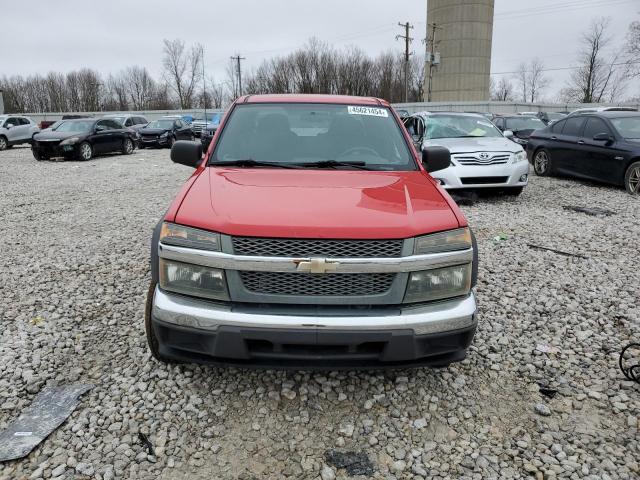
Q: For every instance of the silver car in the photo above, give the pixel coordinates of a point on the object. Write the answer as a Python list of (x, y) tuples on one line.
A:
[(481, 155), (16, 129)]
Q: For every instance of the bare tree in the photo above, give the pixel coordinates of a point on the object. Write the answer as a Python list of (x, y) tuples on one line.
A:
[(503, 91), (522, 80), (183, 70), (537, 80), (632, 49), (596, 79)]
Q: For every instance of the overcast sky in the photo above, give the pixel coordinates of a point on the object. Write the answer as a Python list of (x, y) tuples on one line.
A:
[(39, 36)]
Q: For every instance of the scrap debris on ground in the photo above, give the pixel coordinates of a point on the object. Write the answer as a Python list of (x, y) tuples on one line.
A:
[(484, 418)]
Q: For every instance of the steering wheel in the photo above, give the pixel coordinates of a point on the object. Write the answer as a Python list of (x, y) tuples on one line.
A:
[(351, 150)]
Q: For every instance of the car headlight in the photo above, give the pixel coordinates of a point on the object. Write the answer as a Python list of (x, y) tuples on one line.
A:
[(437, 284), (519, 157), (520, 141), (458, 239), (193, 280), (180, 236), (70, 141), (164, 134)]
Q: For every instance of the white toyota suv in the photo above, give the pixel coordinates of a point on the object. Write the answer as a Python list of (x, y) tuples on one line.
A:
[(16, 129), (481, 155)]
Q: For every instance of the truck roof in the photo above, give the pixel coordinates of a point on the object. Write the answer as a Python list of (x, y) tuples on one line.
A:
[(313, 98)]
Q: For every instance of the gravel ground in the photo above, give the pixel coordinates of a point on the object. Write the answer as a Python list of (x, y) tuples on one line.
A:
[(74, 243)]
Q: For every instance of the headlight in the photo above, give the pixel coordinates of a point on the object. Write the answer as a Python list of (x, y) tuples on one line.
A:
[(438, 284), (194, 280), (164, 134), (173, 234), (519, 157), (459, 239), (70, 141), (520, 141)]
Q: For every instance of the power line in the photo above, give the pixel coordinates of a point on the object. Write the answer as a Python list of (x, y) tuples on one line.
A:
[(567, 68), (537, 11), (407, 40)]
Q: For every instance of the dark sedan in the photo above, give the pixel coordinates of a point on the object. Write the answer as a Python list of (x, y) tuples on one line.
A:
[(82, 139), (520, 125), (603, 146), (164, 133)]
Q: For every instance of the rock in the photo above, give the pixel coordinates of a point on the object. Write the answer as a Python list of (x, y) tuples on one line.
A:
[(542, 409)]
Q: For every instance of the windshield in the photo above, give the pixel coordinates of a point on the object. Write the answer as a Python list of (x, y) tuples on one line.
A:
[(76, 126), (459, 126), (161, 124), (524, 123), (301, 134), (628, 127)]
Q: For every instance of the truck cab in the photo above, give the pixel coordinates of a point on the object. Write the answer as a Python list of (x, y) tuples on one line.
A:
[(312, 235)]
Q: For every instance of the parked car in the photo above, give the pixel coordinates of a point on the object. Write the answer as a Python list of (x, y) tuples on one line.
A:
[(402, 113), (43, 124), (602, 109), (481, 156), (550, 117), (312, 235), (82, 139), (164, 132), (602, 146), (518, 127), (16, 129), (133, 121), (199, 125)]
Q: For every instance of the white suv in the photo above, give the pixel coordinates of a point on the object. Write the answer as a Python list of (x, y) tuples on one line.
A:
[(16, 129), (481, 155)]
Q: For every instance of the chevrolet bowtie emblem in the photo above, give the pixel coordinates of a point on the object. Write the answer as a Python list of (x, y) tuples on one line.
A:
[(316, 265)]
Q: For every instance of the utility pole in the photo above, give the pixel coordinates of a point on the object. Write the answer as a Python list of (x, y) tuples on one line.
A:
[(432, 57), (204, 90), (407, 54), (238, 59)]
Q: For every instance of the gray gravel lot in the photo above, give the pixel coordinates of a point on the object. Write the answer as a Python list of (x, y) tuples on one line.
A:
[(74, 244)]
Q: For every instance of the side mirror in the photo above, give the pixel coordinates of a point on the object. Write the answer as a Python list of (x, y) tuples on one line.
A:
[(602, 137), (436, 158), (9, 126), (508, 133), (187, 153), (100, 128)]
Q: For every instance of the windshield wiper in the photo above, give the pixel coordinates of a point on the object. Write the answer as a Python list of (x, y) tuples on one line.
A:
[(248, 162), (334, 164)]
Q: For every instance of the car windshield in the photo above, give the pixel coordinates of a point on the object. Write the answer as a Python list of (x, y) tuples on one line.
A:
[(299, 134), (628, 127), (459, 126), (524, 123), (161, 124), (75, 126)]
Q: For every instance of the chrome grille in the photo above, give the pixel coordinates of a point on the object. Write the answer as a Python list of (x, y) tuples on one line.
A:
[(293, 247), (308, 284), (475, 159)]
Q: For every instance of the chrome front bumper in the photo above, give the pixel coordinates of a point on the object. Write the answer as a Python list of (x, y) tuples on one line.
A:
[(437, 317)]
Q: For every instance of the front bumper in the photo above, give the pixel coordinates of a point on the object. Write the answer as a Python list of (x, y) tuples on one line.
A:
[(483, 176), (54, 149), (153, 142), (190, 329)]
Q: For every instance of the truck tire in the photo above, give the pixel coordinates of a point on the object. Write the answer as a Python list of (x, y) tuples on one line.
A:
[(632, 179), (152, 340)]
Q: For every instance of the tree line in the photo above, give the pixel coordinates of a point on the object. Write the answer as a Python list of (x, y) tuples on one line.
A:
[(314, 68), (601, 73)]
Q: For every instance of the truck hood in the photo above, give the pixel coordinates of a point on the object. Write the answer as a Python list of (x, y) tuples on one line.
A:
[(264, 202), (476, 144)]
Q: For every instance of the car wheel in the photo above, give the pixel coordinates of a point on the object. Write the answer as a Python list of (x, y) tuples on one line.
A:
[(632, 179), (85, 152), (152, 340), (38, 156), (127, 146), (3, 143), (9, 146), (513, 191), (542, 163)]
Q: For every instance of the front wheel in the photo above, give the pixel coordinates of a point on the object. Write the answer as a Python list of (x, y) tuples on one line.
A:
[(4, 144), (152, 340), (127, 146), (542, 163), (632, 179), (85, 152), (39, 156)]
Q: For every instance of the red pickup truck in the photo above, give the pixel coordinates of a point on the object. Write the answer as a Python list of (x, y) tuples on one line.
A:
[(311, 235)]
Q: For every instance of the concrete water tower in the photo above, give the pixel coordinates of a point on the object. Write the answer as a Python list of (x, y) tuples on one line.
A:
[(463, 32)]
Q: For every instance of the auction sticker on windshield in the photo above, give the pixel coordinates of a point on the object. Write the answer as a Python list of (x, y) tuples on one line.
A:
[(375, 112)]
